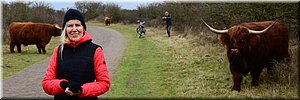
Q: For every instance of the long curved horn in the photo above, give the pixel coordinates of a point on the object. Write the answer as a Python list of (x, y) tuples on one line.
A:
[(262, 31), (215, 30)]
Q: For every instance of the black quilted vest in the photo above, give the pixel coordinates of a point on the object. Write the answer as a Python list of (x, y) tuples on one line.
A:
[(77, 64)]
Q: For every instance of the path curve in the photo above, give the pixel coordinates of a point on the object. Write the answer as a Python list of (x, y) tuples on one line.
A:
[(28, 83)]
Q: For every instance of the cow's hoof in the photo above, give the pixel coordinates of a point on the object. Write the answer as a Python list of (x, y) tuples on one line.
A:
[(236, 89)]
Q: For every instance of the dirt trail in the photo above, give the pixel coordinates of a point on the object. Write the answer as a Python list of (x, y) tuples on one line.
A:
[(28, 83)]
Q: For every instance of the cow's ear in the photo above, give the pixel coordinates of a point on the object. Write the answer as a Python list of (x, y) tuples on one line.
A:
[(225, 39)]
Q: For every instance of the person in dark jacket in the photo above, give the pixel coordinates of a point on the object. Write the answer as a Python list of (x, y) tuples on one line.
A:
[(167, 18), (77, 69)]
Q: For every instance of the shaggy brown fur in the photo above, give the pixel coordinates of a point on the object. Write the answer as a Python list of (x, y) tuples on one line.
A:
[(252, 52), (28, 33)]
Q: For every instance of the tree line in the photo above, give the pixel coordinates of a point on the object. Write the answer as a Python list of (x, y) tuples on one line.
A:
[(220, 15), (39, 11), (184, 14)]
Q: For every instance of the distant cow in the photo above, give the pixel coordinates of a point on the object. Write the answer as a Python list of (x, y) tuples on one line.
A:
[(107, 21), (28, 33), (253, 46)]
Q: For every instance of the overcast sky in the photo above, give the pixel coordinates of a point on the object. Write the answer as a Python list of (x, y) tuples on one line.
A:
[(124, 4), (133, 4)]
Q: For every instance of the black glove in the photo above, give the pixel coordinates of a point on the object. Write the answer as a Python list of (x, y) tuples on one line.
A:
[(64, 85), (75, 86)]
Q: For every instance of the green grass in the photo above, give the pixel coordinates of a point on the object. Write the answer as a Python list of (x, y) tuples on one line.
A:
[(160, 67), (15, 62), (140, 74)]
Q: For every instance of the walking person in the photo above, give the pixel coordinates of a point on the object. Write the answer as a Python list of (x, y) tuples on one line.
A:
[(77, 69), (167, 18), (140, 29)]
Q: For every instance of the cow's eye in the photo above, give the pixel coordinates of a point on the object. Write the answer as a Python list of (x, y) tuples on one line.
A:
[(240, 40), (243, 41)]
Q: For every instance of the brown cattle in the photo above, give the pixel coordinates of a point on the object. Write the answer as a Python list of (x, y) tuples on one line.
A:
[(107, 21), (28, 33), (253, 46)]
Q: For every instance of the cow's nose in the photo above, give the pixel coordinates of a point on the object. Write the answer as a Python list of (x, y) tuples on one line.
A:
[(234, 50)]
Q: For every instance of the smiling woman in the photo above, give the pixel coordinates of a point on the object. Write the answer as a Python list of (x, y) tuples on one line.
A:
[(77, 68)]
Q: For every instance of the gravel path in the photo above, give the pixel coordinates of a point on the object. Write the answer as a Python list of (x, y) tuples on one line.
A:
[(27, 83)]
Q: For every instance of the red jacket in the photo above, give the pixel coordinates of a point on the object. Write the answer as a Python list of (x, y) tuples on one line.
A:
[(51, 84)]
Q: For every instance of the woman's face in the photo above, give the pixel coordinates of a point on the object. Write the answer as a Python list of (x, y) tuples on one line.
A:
[(74, 30)]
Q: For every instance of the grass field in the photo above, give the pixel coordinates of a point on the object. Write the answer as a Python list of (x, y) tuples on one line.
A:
[(160, 67), (15, 62)]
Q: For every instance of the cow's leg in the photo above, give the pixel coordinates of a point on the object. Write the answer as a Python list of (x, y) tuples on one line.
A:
[(43, 48), (19, 48), (237, 80), (12, 46), (255, 76), (39, 48), (236, 74)]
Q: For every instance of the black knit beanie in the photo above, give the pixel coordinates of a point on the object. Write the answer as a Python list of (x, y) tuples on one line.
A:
[(74, 14)]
